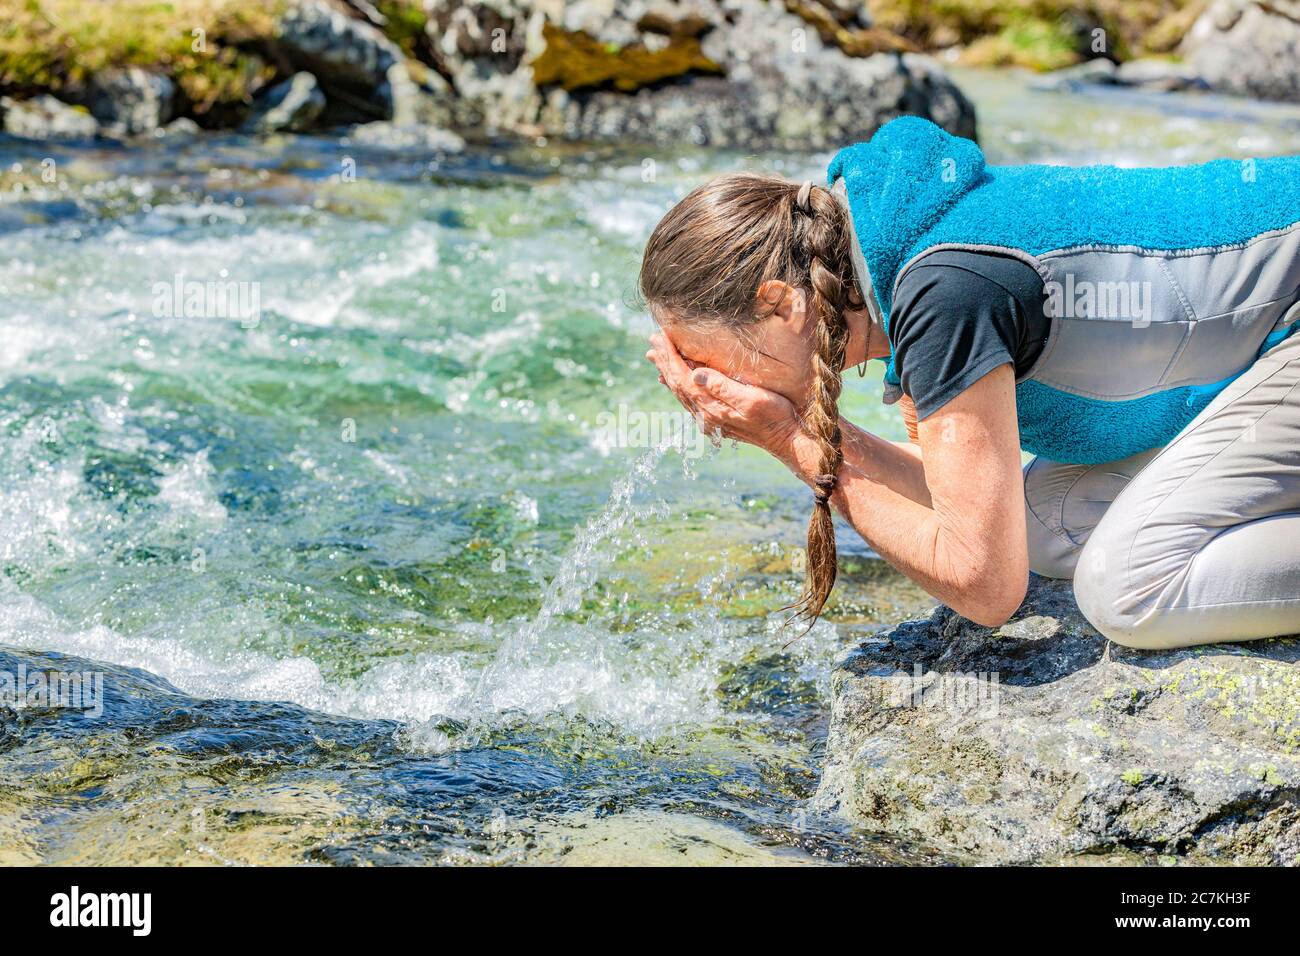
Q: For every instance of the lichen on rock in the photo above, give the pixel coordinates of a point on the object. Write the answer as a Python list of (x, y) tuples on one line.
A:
[(848, 33), (573, 60), (1071, 746)]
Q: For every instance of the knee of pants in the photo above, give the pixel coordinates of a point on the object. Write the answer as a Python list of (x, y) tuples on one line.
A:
[(1102, 591)]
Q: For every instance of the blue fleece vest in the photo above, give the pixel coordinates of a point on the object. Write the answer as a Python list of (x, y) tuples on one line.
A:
[(1210, 253)]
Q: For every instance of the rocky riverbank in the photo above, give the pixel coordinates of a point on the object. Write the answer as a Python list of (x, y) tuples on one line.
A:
[(1237, 47), (803, 74), (1039, 742), (752, 73)]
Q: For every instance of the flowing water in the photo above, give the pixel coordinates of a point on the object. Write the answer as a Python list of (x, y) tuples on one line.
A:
[(364, 571)]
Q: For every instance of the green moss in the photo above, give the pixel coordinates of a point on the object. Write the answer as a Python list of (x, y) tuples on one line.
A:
[(1269, 698), (1133, 778), (1037, 44), (59, 45), (854, 42), (573, 60), (1041, 34), (1268, 773), (406, 23)]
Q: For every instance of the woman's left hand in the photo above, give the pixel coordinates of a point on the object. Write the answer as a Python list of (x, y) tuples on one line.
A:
[(720, 404)]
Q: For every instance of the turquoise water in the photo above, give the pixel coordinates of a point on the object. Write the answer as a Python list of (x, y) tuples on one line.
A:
[(365, 575)]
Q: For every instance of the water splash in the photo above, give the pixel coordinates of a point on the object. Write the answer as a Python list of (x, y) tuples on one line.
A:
[(587, 559), (588, 556), (545, 667)]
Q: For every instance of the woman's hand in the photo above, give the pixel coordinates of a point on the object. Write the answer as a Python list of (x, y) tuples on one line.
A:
[(722, 405)]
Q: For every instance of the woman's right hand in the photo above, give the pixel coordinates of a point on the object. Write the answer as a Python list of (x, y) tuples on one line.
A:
[(724, 406)]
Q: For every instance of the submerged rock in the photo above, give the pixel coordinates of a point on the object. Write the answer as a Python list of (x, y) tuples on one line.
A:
[(1098, 71), (44, 117), (1165, 76), (1248, 47), (1156, 75), (180, 129), (1039, 741), (409, 137)]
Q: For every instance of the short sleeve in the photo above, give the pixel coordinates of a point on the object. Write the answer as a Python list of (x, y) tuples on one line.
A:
[(949, 327)]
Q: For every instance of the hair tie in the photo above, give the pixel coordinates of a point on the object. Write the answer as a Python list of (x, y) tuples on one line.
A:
[(823, 486), (805, 193)]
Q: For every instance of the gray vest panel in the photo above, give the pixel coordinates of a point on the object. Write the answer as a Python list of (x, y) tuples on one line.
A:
[(1127, 322)]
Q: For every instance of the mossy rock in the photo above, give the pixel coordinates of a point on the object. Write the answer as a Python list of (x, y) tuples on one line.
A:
[(1087, 748), (573, 60), (205, 46), (1039, 34), (852, 41)]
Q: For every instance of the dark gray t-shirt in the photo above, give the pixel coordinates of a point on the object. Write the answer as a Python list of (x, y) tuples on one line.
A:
[(957, 315)]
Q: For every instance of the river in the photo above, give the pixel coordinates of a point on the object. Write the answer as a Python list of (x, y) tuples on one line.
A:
[(362, 569)]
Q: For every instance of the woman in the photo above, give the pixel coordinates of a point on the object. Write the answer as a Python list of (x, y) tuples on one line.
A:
[(1131, 328)]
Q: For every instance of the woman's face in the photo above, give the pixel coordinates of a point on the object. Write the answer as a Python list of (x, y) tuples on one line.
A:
[(768, 354), (774, 353)]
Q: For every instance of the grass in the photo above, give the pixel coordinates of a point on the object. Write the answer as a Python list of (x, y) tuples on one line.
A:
[(406, 24), (1036, 44), (1041, 34), (59, 45)]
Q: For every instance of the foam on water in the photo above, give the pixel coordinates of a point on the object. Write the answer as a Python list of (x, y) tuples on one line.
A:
[(654, 679)]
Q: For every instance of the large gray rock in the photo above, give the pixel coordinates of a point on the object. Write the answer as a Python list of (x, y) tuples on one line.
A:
[(363, 73), (1248, 47), (131, 101), (480, 47), (294, 104), (780, 83), (44, 117), (1076, 746)]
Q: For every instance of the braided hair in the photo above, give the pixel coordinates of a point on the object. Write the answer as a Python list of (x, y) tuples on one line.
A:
[(705, 262)]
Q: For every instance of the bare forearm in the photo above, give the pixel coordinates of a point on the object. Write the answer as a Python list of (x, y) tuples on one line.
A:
[(954, 523), (882, 493), (896, 465)]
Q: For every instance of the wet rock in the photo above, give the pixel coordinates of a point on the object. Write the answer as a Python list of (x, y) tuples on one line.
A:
[(180, 129), (1076, 747), (1149, 74), (1164, 76), (1097, 71), (363, 73), (732, 72), (132, 101), (395, 136), (294, 105), (44, 117), (1248, 47)]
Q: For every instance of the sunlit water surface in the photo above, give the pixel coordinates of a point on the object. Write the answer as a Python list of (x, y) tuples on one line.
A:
[(365, 575)]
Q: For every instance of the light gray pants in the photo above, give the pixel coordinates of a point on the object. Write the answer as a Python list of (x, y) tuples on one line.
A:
[(1194, 543)]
